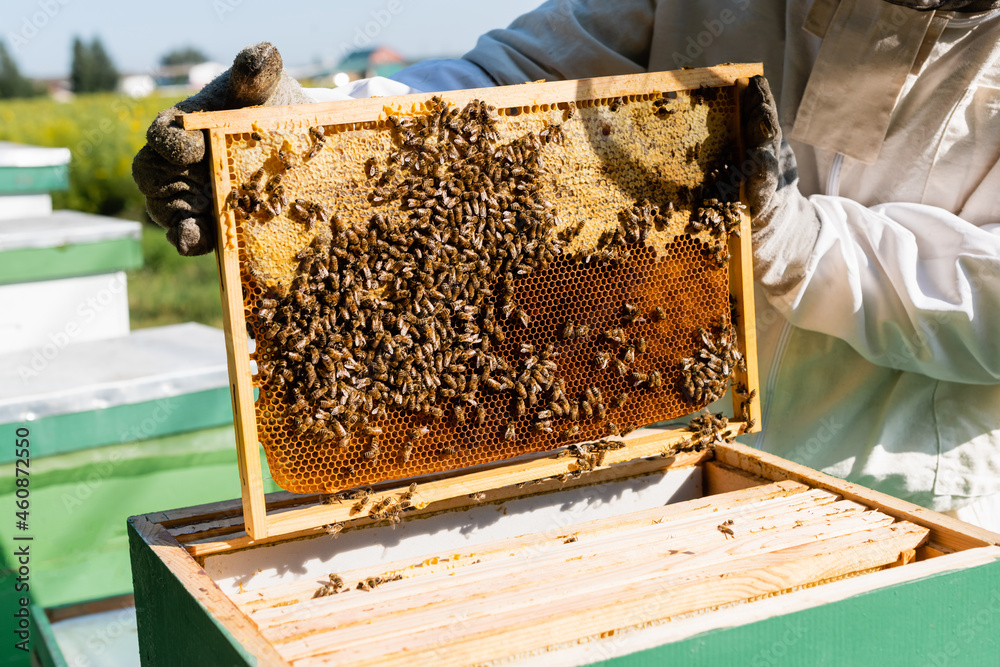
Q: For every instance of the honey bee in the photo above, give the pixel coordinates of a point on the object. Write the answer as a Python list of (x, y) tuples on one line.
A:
[(319, 135), (620, 367), (358, 506), (659, 314), (373, 451), (334, 529), (544, 426), (370, 167), (255, 135), (571, 431), (568, 330), (655, 380), (406, 453), (612, 428), (640, 345), (522, 317), (621, 399), (479, 496), (632, 313), (616, 103), (615, 335), (725, 529), (509, 433), (255, 180), (638, 378), (447, 451), (629, 356)]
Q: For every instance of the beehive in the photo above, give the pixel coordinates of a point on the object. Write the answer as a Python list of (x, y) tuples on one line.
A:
[(437, 282)]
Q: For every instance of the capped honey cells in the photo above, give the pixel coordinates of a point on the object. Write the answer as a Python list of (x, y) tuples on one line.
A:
[(458, 285)]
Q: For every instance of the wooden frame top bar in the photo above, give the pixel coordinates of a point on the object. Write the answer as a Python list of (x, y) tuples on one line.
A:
[(527, 94)]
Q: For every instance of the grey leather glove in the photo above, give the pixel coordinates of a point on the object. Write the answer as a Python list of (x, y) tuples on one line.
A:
[(171, 169), (785, 226)]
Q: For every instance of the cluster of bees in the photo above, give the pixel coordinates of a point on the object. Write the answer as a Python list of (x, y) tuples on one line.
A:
[(262, 200), (706, 375), (709, 430), (405, 314), (746, 401), (591, 455), (386, 509), (405, 310), (332, 587), (370, 583), (336, 584), (720, 219), (258, 197)]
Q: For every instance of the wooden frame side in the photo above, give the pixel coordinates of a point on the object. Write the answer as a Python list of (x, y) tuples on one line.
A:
[(741, 283), (525, 95), (172, 592), (951, 533), (238, 354)]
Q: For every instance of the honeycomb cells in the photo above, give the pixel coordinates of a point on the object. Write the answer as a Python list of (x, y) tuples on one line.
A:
[(631, 319)]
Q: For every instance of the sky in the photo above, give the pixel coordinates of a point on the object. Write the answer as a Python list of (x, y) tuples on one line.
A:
[(39, 33)]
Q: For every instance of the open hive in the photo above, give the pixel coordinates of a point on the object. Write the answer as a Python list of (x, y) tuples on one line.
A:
[(459, 280)]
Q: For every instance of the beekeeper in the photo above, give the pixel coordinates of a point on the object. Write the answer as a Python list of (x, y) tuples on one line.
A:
[(876, 250)]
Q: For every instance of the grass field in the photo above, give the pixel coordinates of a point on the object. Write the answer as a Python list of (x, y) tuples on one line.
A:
[(103, 133), (171, 288)]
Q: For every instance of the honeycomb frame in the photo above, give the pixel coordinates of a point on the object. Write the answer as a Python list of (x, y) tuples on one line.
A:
[(246, 141)]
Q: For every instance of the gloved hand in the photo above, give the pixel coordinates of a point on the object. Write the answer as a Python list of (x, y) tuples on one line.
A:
[(171, 169), (784, 223)]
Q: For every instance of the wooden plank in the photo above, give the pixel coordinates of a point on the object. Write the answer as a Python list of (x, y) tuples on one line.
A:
[(951, 533), (183, 617), (741, 287), (532, 627), (74, 610), (417, 605), (185, 520), (856, 619), (238, 359), (475, 482), (675, 546), (720, 478), (682, 545), (499, 483), (526, 95), (736, 501)]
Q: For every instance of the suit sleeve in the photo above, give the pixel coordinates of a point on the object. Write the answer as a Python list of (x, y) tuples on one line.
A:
[(909, 286)]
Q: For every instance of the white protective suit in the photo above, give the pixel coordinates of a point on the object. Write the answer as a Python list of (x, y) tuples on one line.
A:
[(882, 366)]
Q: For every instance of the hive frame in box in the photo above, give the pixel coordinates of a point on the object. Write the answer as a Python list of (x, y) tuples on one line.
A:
[(260, 525), (857, 617)]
